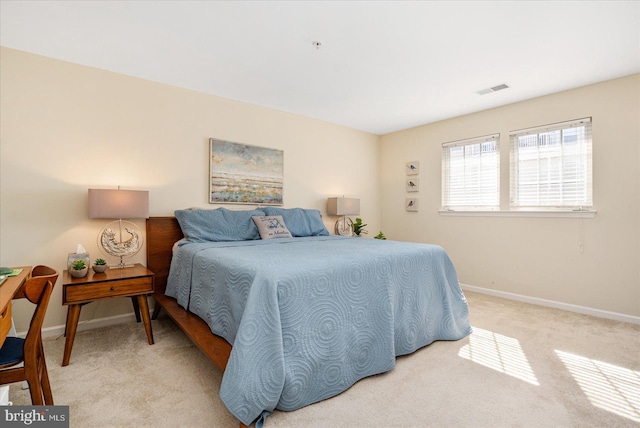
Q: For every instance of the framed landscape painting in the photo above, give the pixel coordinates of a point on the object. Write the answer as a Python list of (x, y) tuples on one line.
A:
[(244, 174)]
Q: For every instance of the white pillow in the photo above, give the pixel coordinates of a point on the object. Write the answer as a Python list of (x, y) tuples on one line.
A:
[(271, 227)]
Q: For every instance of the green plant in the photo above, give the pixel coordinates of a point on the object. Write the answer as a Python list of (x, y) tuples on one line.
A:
[(358, 227), (380, 236), (79, 265), (100, 262)]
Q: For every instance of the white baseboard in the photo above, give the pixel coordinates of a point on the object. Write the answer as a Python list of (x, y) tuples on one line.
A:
[(553, 304), (58, 330)]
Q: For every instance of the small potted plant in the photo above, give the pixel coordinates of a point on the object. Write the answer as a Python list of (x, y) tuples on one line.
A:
[(99, 265), (358, 227), (79, 269), (380, 236)]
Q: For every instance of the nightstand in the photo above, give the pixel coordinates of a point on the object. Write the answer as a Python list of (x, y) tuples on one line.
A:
[(135, 282)]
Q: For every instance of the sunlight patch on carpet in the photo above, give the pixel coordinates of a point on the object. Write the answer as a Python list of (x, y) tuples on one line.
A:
[(609, 387), (501, 353)]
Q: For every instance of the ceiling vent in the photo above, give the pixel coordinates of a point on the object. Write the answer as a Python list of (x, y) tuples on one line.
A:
[(493, 89)]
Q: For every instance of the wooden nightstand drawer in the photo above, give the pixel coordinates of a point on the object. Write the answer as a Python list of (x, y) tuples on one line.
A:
[(125, 287)]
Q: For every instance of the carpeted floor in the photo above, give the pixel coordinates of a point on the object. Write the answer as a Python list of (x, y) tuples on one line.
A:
[(524, 366)]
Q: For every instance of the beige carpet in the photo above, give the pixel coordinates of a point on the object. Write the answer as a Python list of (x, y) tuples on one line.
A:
[(524, 366)]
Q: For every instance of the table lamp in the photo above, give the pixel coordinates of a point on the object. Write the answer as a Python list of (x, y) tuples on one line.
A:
[(343, 207), (119, 204)]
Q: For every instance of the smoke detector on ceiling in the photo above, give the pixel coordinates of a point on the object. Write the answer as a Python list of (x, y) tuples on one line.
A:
[(493, 89)]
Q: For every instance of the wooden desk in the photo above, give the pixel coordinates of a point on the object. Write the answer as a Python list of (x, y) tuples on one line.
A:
[(135, 282), (8, 290)]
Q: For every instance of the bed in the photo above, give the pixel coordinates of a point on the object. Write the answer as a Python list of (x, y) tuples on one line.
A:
[(308, 316)]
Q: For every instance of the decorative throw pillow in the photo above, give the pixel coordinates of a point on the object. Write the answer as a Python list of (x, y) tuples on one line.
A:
[(271, 227), (301, 222)]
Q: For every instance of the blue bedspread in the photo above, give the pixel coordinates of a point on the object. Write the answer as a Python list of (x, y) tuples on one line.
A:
[(309, 317)]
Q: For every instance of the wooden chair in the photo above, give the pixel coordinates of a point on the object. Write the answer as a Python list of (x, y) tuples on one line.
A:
[(29, 350)]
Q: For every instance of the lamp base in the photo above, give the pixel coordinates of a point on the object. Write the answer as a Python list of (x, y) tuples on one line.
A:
[(344, 227), (111, 242), (121, 266)]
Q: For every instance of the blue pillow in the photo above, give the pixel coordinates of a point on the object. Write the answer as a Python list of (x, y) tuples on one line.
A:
[(218, 225), (299, 221)]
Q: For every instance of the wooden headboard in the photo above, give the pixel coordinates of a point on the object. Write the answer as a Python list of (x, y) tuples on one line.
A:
[(162, 233)]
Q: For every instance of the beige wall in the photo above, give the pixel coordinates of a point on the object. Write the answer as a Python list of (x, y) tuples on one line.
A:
[(536, 257), (66, 128)]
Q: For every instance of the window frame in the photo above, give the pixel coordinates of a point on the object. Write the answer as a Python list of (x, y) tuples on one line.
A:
[(582, 211), (446, 194), (555, 160)]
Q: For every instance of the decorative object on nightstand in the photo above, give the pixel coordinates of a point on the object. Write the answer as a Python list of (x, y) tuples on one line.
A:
[(136, 283), (80, 254), (380, 236), (358, 227), (111, 204), (343, 207), (99, 265), (79, 269)]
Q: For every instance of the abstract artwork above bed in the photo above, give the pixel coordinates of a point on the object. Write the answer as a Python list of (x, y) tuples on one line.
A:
[(244, 174)]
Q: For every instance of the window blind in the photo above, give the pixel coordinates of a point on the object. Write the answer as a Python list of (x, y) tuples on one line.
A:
[(551, 166), (471, 174)]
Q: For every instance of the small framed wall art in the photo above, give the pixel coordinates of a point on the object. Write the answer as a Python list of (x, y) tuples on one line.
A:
[(413, 184), (413, 168), (411, 204)]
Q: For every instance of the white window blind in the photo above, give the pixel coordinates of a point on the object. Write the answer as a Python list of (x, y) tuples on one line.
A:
[(471, 174), (551, 166)]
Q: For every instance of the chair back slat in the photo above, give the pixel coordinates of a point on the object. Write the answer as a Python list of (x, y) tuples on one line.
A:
[(38, 290), (42, 270), (34, 286), (34, 335)]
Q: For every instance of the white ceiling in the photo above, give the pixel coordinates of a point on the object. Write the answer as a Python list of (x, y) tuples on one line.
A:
[(383, 66)]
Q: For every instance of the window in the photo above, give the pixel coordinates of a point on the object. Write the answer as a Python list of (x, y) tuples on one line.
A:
[(551, 166), (471, 174)]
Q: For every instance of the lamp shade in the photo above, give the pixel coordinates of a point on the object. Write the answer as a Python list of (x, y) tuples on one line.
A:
[(343, 206), (107, 203)]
